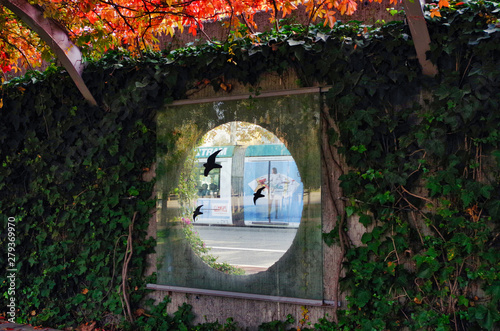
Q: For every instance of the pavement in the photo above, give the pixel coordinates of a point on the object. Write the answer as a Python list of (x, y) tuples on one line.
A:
[(253, 249), (6, 326)]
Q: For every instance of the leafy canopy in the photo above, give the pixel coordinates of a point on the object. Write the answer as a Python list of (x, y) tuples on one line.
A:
[(95, 26)]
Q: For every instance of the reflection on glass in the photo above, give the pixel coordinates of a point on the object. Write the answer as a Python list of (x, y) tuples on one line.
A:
[(236, 227), (282, 187), (276, 239)]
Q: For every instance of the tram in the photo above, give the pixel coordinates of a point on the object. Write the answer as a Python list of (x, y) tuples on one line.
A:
[(227, 193)]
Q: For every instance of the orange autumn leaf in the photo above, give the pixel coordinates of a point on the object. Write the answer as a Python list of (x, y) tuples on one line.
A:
[(347, 7), (435, 12), (330, 19), (135, 25), (443, 3)]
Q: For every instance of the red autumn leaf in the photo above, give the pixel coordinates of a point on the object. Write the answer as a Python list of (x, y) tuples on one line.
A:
[(135, 24)]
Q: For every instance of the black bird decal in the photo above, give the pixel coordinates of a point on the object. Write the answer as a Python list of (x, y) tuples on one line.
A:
[(258, 195), (211, 163), (197, 212)]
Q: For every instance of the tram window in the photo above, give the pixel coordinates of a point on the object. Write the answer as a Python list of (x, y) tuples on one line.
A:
[(269, 144), (207, 187)]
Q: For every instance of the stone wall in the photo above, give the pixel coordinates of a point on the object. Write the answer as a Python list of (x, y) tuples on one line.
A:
[(250, 313)]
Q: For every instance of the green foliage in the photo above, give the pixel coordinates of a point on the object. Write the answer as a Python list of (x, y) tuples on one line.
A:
[(182, 319), (426, 183), (426, 178), (201, 250), (71, 176), (159, 319), (278, 325)]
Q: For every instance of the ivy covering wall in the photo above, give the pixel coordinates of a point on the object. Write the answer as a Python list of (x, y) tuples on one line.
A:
[(424, 154), (425, 181)]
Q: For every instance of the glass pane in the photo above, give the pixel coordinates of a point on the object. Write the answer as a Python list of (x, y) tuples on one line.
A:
[(212, 234), (250, 217)]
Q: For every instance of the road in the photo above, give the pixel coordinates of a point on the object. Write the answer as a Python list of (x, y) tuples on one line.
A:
[(252, 249)]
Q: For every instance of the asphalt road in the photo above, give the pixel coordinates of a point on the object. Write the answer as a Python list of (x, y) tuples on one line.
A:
[(252, 249)]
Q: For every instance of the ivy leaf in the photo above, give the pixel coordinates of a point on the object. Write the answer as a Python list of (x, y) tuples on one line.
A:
[(113, 201), (321, 36), (484, 315), (292, 42), (365, 220), (476, 41), (83, 269), (133, 191), (374, 246), (113, 149), (486, 191), (140, 85), (492, 29), (467, 197), (462, 300), (494, 291), (494, 209), (366, 238), (254, 50), (434, 187), (337, 88), (331, 237), (350, 210), (425, 273), (362, 298)]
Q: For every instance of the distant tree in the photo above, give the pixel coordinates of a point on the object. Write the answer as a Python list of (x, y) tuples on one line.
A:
[(240, 133)]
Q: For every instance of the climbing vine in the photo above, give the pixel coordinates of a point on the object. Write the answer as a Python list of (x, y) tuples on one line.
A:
[(425, 184), (424, 157)]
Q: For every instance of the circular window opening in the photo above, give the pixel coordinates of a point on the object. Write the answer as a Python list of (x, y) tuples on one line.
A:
[(246, 198)]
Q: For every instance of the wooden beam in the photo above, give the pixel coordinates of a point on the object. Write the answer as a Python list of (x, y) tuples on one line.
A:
[(265, 94), (420, 35), (56, 37)]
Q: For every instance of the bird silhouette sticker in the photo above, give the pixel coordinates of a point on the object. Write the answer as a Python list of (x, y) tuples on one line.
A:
[(211, 163), (197, 212), (258, 194)]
